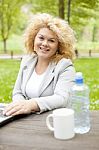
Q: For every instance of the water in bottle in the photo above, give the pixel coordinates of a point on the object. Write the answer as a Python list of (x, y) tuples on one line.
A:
[(80, 104)]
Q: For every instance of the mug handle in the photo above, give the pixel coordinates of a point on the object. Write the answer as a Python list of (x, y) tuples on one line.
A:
[(48, 122)]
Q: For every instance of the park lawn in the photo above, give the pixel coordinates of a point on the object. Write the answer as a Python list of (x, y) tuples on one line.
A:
[(90, 69), (88, 66), (8, 73)]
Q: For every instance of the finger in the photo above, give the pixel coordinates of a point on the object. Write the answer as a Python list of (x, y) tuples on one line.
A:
[(12, 111), (21, 111), (18, 112), (9, 107)]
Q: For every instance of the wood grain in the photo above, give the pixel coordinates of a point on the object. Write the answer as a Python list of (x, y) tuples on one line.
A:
[(31, 133)]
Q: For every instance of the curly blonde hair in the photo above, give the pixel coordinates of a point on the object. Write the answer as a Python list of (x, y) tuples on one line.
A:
[(60, 27)]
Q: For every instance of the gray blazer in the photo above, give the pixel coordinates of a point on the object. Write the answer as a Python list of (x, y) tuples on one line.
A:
[(54, 90)]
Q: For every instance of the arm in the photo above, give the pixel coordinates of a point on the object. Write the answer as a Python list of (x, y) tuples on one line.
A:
[(20, 105), (60, 98), (17, 92)]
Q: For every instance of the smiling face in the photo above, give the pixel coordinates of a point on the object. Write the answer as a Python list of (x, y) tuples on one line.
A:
[(45, 43)]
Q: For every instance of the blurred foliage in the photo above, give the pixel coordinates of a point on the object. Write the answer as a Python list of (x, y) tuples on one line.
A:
[(10, 14), (14, 15)]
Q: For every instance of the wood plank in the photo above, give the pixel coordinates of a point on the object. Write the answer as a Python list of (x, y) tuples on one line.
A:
[(31, 133)]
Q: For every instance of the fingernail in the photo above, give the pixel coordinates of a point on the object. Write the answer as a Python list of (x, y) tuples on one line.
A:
[(7, 114)]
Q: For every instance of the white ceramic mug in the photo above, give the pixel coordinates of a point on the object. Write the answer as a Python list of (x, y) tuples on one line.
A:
[(63, 123)]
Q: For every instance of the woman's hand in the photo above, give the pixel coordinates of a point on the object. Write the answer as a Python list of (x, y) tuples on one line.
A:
[(21, 107)]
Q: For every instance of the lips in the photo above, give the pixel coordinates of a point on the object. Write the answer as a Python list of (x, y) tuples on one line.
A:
[(44, 49)]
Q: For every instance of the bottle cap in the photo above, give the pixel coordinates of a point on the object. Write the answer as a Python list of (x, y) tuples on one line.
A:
[(79, 78)]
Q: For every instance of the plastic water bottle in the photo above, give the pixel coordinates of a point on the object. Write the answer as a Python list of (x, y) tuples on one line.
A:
[(80, 104)]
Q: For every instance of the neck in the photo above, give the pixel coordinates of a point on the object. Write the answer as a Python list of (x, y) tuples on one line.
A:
[(41, 66)]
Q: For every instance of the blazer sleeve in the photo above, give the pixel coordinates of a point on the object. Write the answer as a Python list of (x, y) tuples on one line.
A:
[(17, 91), (64, 82)]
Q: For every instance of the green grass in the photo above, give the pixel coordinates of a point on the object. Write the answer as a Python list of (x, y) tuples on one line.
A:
[(90, 69), (88, 66), (8, 74)]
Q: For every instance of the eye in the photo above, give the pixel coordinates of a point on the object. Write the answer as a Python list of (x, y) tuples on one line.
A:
[(41, 37), (51, 40)]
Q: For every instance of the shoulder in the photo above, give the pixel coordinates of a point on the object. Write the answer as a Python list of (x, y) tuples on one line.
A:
[(28, 59), (63, 64), (65, 61), (66, 69)]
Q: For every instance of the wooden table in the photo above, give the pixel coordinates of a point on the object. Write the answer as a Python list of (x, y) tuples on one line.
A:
[(31, 133)]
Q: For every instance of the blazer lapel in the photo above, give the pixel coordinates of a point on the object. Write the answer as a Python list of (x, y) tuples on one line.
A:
[(29, 70), (48, 78)]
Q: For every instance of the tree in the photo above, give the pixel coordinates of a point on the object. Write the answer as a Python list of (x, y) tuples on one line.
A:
[(9, 16), (76, 12), (44, 6), (61, 9), (68, 10), (79, 13)]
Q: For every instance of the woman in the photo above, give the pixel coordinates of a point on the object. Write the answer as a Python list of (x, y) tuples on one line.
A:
[(46, 73)]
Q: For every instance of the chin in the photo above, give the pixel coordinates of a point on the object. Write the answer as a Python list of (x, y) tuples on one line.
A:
[(43, 57)]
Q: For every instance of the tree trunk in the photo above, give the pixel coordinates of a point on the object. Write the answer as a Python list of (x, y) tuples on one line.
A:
[(68, 10), (93, 36), (93, 33), (5, 45), (61, 9)]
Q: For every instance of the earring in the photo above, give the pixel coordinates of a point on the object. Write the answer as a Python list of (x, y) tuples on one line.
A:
[(57, 52)]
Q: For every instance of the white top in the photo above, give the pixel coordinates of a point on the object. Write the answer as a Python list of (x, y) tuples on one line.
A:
[(33, 85)]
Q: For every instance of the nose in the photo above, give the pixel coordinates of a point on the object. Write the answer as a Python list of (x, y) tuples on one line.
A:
[(45, 43)]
